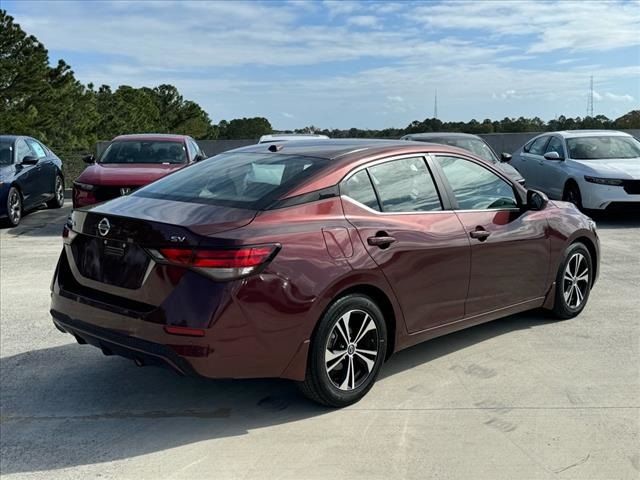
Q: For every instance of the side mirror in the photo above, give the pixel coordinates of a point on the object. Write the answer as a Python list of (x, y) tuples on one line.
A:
[(89, 159), (29, 160), (198, 158), (553, 156), (505, 157), (536, 200)]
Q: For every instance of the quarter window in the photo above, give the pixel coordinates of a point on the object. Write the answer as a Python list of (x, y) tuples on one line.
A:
[(475, 187), (405, 185), (555, 145), (359, 188)]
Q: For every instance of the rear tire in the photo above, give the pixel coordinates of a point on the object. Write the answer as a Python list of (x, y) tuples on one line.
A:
[(58, 199), (573, 282), (572, 194), (346, 352)]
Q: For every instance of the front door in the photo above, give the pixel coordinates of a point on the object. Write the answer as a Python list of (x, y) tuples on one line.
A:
[(509, 245), (422, 249)]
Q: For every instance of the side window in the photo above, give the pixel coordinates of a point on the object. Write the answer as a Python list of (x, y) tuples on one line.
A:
[(22, 150), (405, 185), (537, 147), (359, 188), (36, 148), (555, 145), (475, 187)]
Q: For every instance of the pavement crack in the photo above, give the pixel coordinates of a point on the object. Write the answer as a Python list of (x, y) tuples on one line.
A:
[(579, 462)]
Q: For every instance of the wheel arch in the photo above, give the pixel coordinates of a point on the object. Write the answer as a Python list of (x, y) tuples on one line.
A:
[(382, 300)]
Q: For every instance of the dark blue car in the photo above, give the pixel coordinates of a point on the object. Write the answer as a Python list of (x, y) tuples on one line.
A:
[(30, 175)]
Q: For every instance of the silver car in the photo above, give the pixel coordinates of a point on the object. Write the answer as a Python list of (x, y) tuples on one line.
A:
[(474, 144), (594, 169)]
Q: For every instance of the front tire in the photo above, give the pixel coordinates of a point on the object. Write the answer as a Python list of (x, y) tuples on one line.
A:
[(346, 352), (573, 282), (14, 207), (572, 194), (58, 199)]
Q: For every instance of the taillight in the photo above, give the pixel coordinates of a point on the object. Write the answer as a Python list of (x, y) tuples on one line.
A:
[(220, 264)]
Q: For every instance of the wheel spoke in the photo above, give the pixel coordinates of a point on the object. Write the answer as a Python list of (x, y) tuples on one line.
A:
[(347, 378), (579, 296), (367, 325), (567, 276), (583, 277), (368, 362), (343, 327), (578, 263), (330, 356), (336, 362)]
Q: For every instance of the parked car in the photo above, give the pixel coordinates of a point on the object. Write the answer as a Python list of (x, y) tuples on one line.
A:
[(30, 175), (474, 144), (593, 169), (316, 261), (286, 137), (131, 161)]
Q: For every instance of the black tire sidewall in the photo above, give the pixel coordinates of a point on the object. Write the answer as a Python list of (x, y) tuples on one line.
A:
[(9, 219), (561, 308), (54, 203), (317, 368), (576, 190)]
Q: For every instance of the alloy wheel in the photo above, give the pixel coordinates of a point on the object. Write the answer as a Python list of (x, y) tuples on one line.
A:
[(59, 191), (351, 350), (575, 280), (15, 207)]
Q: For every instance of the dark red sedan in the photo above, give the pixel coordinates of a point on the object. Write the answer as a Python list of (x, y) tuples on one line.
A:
[(131, 161), (315, 261)]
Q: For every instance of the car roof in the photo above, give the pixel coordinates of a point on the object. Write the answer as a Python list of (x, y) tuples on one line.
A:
[(291, 136), (428, 135), (11, 138), (589, 133), (343, 148), (158, 137)]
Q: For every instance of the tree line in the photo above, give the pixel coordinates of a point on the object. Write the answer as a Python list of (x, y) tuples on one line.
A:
[(49, 103)]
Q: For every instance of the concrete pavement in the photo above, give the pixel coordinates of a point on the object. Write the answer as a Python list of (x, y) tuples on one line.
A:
[(523, 397)]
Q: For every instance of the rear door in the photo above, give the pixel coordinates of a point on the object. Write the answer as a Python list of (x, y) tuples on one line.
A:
[(46, 170), (509, 245), (422, 249)]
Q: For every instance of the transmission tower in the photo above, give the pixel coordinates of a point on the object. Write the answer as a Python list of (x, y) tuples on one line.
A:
[(590, 98), (435, 105)]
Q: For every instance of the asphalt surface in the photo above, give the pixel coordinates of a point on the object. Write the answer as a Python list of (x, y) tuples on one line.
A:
[(519, 398)]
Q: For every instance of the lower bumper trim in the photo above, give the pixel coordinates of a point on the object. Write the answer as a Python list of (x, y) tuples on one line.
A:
[(140, 351)]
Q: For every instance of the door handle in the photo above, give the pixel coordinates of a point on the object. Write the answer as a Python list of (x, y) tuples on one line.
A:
[(480, 234), (381, 241)]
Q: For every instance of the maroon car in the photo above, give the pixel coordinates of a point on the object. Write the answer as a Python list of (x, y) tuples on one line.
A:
[(315, 261), (131, 161)]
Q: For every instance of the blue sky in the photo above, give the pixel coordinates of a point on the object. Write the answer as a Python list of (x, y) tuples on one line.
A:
[(354, 64)]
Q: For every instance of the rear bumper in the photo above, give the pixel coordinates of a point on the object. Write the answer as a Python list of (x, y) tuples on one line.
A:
[(112, 343)]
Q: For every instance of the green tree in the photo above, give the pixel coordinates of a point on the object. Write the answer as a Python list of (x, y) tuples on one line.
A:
[(244, 128)]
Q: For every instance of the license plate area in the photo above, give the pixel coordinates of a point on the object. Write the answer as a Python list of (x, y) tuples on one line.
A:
[(111, 262)]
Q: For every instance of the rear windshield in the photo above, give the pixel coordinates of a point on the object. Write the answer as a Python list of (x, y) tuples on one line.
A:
[(6, 152), (240, 180), (144, 152), (601, 148)]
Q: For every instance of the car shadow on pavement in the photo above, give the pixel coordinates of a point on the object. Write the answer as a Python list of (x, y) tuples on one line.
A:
[(608, 220), (40, 223), (68, 406)]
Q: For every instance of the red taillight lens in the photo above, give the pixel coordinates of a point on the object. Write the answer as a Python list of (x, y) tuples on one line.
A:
[(240, 258), (222, 264), (186, 331)]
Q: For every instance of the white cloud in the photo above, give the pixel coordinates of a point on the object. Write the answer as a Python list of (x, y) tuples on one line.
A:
[(287, 115), (367, 21), (618, 98)]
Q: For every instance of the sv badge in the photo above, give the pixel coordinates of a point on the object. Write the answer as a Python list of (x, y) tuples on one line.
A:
[(177, 238)]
